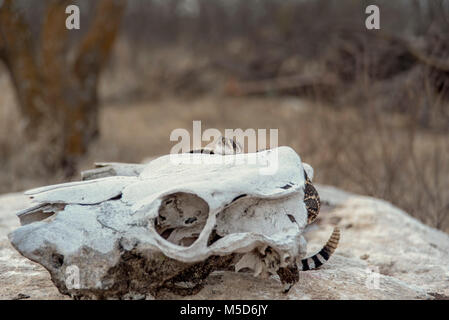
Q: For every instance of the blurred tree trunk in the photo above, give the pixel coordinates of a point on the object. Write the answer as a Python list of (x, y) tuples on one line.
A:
[(57, 92)]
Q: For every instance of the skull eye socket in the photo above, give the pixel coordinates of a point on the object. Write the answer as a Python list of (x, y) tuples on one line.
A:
[(181, 218)]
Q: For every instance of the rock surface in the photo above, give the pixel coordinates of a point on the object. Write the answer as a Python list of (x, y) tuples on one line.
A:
[(383, 254)]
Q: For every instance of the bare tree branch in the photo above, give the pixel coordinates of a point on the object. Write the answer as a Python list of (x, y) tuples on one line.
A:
[(419, 54), (281, 84), (55, 96), (17, 53), (54, 40), (96, 45)]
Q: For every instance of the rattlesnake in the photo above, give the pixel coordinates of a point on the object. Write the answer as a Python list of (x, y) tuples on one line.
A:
[(290, 275)]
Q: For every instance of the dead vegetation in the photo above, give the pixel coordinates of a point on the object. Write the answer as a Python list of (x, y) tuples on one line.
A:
[(369, 110)]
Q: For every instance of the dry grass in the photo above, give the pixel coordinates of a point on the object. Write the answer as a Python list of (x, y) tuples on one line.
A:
[(362, 147), (381, 157)]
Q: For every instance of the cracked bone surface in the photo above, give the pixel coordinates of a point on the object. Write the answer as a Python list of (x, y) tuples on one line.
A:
[(169, 225)]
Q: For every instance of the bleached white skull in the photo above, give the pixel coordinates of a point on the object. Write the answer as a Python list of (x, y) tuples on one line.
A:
[(169, 223)]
